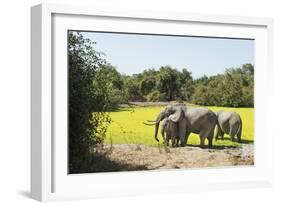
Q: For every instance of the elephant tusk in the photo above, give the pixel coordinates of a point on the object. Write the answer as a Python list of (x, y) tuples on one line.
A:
[(151, 120), (149, 124)]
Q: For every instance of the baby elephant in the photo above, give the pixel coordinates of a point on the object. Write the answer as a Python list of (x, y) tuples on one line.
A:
[(229, 123), (169, 131)]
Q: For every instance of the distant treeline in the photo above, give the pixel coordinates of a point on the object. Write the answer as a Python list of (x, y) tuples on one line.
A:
[(234, 88)]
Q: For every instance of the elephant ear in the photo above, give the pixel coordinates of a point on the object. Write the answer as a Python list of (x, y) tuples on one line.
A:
[(176, 116)]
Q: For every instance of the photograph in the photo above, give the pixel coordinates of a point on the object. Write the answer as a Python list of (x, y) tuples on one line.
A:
[(142, 102)]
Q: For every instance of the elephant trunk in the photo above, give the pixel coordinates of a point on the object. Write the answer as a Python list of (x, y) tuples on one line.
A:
[(156, 131), (157, 122)]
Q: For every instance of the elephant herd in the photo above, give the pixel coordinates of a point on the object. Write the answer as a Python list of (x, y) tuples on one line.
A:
[(178, 121)]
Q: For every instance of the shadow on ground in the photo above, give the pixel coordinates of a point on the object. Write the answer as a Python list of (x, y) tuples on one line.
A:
[(221, 147), (216, 147), (244, 141), (101, 163)]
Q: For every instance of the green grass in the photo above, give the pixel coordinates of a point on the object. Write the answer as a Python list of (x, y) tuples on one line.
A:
[(127, 126)]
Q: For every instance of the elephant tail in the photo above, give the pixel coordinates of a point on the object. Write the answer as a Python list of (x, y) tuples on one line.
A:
[(218, 130), (217, 122)]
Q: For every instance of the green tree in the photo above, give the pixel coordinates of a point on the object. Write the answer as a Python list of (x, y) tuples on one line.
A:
[(234, 88), (248, 85), (167, 82), (185, 83), (87, 100), (147, 85), (204, 80), (113, 85), (132, 91), (200, 95)]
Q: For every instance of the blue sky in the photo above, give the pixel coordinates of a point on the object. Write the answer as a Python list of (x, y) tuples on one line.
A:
[(132, 53)]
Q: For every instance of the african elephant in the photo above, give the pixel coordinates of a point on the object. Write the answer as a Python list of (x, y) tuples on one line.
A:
[(229, 123), (169, 130), (196, 120)]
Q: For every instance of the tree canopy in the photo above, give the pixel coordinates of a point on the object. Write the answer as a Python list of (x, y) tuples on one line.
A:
[(234, 88)]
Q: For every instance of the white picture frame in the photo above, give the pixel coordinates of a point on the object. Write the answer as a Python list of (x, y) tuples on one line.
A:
[(49, 178)]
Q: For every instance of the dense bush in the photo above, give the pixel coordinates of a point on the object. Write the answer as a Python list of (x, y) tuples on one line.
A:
[(234, 88), (132, 90), (156, 96), (88, 98)]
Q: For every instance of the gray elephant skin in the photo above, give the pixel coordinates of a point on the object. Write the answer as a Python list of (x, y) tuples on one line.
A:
[(169, 131), (229, 123), (196, 120)]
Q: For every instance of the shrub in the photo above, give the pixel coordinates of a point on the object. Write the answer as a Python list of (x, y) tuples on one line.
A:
[(156, 96), (87, 101)]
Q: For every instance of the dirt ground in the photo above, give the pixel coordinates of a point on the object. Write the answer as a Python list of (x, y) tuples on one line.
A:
[(126, 157), (149, 104)]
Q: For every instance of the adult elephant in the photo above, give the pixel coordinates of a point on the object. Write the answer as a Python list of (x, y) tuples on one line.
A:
[(196, 120), (229, 123)]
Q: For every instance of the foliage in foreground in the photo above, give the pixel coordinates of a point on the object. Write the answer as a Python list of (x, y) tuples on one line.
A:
[(88, 100)]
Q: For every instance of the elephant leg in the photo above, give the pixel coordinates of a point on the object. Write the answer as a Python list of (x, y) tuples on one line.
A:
[(232, 134), (164, 135), (219, 133), (174, 132), (178, 139), (173, 141), (167, 139), (167, 142), (203, 134), (232, 138), (235, 129), (210, 138), (182, 142), (202, 141), (239, 139), (182, 132), (239, 134), (222, 135), (210, 142), (186, 138)]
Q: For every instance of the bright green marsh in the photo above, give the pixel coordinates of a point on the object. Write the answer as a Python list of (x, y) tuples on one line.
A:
[(127, 126)]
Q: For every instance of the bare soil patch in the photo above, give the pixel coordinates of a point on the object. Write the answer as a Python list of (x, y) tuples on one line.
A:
[(150, 104), (128, 157)]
